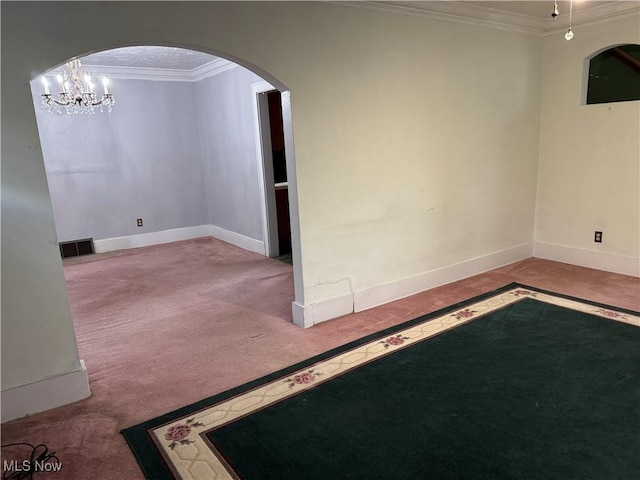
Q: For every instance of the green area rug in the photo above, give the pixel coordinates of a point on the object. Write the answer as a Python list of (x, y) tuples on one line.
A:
[(518, 383)]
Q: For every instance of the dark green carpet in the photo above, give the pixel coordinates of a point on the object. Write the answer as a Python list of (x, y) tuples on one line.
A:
[(532, 391)]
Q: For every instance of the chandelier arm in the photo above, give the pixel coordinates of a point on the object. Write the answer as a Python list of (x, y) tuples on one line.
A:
[(77, 94)]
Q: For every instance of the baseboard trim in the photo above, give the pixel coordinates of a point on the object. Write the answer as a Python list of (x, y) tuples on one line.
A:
[(45, 394), (237, 239), (306, 316), (608, 262), (177, 234), (151, 238), (381, 294)]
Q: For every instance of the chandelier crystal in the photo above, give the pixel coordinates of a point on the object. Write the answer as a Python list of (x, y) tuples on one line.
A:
[(77, 93)]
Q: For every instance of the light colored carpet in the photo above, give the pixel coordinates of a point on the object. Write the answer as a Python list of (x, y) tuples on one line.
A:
[(164, 326)]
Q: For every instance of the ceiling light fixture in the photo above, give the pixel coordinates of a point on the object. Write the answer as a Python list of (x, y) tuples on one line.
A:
[(77, 94), (555, 13), (569, 35)]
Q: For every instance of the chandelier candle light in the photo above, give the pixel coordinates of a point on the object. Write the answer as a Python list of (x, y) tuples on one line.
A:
[(77, 94)]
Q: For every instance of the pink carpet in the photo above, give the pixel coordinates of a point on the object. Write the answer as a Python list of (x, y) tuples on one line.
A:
[(161, 327)]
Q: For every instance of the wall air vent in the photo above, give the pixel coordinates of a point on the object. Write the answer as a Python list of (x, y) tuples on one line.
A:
[(76, 248)]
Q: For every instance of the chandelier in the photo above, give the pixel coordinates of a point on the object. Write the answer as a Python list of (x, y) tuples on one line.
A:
[(77, 93)]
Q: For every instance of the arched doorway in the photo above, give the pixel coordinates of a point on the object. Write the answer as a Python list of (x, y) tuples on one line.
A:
[(129, 56), (36, 310), (102, 148)]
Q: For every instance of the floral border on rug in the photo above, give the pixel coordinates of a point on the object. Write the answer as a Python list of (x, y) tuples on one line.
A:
[(191, 457)]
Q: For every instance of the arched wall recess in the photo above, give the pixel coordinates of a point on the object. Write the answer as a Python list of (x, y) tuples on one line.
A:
[(612, 74)]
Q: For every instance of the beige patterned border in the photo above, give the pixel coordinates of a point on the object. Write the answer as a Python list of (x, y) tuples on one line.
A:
[(191, 457)]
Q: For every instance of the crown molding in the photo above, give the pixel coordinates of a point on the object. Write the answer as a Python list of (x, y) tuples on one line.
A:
[(465, 12), (210, 69), (454, 12), (217, 66)]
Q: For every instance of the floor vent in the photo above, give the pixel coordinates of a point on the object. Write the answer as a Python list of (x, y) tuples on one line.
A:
[(76, 248)]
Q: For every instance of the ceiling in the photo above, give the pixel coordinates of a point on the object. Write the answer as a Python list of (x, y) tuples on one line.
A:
[(529, 16), (150, 57)]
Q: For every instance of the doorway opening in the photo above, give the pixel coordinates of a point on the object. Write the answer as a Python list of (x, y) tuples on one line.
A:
[(272, 151), (122, 217)]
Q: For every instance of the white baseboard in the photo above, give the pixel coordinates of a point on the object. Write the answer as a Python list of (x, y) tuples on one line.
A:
[(151, 238), (609, 262), (306, 316), (237, 239), (176, 234), (45, 394), (380, 294), (298, 316)]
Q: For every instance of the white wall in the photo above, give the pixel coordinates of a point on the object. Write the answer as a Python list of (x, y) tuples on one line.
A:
[(225, 120), (416, 145), (142, 160), (160, 155), (589, 177)]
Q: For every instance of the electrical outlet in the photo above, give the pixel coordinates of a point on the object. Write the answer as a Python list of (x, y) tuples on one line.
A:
[(597, 237), (139, 222)]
